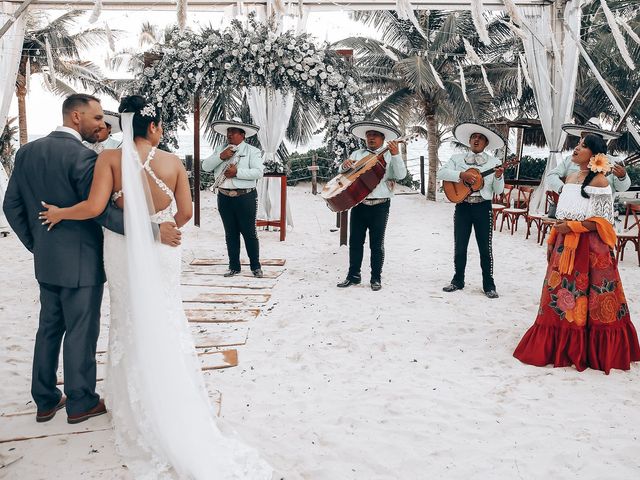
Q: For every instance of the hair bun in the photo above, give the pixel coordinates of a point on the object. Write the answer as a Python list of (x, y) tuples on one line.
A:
[(132, 103)]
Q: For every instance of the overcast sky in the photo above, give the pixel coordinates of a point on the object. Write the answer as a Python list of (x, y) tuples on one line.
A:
[(43, 108)]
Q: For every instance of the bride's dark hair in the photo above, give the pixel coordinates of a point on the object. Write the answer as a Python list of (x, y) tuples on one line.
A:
[(597, 145), (144, 112)]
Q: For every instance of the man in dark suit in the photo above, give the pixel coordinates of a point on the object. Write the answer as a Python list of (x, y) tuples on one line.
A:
[(68, 262)]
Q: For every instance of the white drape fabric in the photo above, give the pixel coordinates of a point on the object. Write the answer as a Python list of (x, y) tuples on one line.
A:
[(4, 181), (10, 50), (271, 111), (553, 69)]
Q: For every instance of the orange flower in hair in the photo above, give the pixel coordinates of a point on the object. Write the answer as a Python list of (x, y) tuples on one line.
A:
[(600, 163)]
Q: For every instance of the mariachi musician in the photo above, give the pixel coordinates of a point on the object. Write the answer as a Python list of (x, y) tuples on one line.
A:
[(237, 166), (475, 211), (373, 212)]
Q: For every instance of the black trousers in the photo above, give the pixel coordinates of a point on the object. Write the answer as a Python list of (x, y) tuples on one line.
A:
[(75, 314), (374, 219), (239, 218), (478, 216)]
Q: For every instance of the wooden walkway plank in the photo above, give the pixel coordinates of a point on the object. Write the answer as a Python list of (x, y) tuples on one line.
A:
[(219, 272), (213, 315), (249, 283), (267, 262), (225, 298)]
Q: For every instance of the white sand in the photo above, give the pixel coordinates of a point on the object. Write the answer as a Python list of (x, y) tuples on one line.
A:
[(405, 383)]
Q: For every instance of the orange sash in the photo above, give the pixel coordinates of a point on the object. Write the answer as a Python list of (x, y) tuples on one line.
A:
[(605, 231)]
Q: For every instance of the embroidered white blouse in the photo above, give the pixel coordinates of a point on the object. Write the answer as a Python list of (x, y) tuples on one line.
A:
[(573, 206)]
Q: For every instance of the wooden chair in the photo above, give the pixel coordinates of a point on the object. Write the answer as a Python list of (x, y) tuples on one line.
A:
[(538, 219), (520, 209), (631, 234), (500, 202)]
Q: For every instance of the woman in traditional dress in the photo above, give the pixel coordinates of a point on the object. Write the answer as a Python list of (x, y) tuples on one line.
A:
[(583, 319)]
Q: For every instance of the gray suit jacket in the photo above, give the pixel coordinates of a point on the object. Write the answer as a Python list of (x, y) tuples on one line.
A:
[(58, 169)]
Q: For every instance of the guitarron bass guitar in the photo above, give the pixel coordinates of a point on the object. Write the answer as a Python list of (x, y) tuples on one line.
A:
[(348, 189)]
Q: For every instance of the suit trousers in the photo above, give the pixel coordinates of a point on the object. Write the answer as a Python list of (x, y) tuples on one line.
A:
[(239, 218), (72, 313), (373, 218), (479, 217)]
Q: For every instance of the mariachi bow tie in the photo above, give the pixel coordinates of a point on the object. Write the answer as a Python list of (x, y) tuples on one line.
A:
[(475, 159)]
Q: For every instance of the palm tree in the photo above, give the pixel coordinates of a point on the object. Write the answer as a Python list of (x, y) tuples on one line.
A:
[(68, 65), (599, 43), (404, 89), (132, 59), (7, 148)]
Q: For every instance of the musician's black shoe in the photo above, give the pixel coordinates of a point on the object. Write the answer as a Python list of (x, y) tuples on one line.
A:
[(258, 273), (452, 287), (231, 273), (491, 294), (348, 282), (375, 285)]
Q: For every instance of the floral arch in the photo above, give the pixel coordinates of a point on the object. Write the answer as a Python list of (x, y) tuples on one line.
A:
[(253, 55)]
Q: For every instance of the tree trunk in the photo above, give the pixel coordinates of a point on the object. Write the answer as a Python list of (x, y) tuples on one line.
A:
[(432, 142), (21, 93)]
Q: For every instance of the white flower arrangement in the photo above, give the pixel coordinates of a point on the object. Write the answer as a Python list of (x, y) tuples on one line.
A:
[(252, 55)]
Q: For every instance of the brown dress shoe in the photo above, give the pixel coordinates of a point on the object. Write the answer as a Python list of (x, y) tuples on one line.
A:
[(49, 414), (99, 409)]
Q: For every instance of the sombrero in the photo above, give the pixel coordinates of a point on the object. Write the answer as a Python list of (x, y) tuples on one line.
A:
[(221, 127), (593, 125), (113, 119), (463, 131), (360, 129)]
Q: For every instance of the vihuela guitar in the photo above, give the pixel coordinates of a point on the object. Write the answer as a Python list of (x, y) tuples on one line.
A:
[(456, 192), (348, 189)]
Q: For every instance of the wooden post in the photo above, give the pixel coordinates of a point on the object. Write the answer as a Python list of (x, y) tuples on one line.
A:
[(519, 147), (196, 159), (314, 174), (338, 220), (344, 223), (422, 189), (283, 207), (188, 165)]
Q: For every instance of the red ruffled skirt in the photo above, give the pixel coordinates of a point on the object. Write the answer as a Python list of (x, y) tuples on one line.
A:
[(583, 319)]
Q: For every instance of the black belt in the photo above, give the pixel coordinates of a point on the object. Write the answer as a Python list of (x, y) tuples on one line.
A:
[(372, 202), (235, 192)]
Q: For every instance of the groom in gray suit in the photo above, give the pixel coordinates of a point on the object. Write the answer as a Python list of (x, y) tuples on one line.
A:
[(58, 169)]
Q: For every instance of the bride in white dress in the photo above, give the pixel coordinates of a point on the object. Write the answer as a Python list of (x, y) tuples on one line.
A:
[(164, 424)]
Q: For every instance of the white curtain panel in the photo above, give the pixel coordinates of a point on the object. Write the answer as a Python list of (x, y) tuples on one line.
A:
[(271, 111), (4, 180), (553, 76), (10, 49)]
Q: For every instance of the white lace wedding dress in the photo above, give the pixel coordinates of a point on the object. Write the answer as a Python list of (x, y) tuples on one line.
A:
[(164, 423)]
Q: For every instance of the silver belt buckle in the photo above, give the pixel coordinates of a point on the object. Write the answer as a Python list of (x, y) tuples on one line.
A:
[(233, 193)]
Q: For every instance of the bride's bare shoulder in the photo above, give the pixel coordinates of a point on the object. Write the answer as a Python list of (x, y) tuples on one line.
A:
[(168, 157)]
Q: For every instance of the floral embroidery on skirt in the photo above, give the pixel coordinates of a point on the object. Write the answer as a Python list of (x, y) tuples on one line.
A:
[(583, 319)]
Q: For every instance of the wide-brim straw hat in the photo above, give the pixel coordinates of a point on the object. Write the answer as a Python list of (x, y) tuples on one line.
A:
[(360, 129), (221, 127), (594, 126), (113, 119), (463, 131)]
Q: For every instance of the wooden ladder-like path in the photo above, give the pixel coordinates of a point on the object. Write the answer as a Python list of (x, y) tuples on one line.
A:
[(219, 310)]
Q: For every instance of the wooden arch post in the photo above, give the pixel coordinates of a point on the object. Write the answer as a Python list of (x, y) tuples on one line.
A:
[(196, 158), (342, 220)]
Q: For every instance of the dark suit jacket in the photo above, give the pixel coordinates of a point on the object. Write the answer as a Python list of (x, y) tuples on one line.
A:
[(58, 169)]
